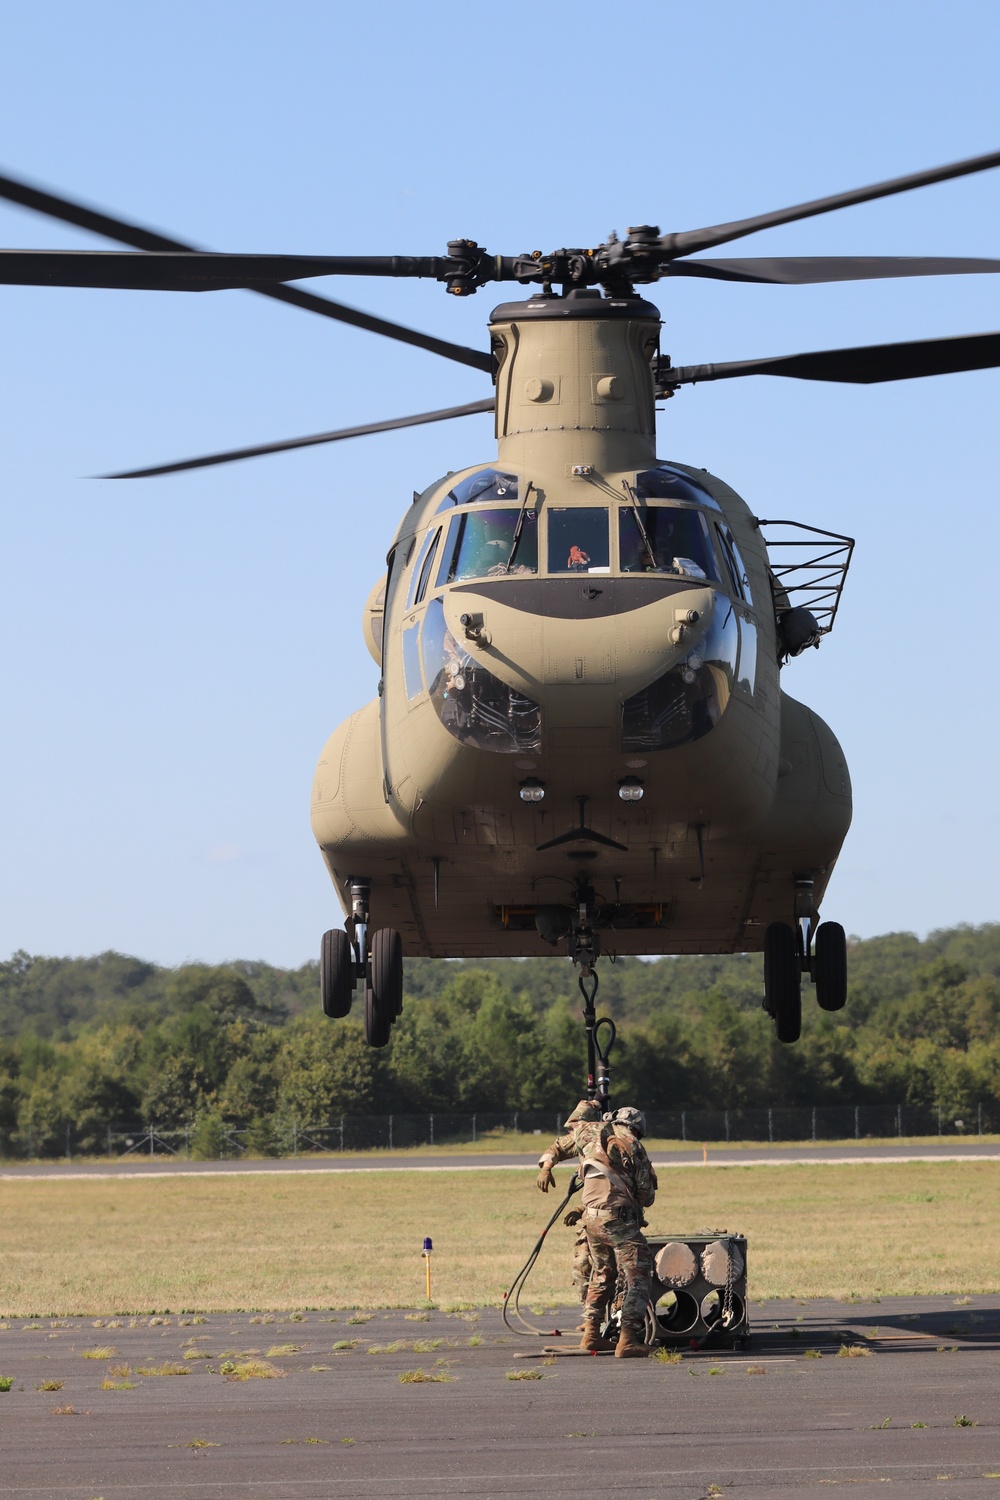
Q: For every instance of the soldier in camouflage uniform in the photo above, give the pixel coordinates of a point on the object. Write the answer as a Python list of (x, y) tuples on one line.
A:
[(581, 1126), (618, 1183)]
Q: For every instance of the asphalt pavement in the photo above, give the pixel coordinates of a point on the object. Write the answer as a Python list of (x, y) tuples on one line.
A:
[(951, 1149), (793, 1415)]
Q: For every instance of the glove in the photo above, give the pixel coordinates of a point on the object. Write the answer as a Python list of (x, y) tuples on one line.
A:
[(573, 1218), (545, 1180)]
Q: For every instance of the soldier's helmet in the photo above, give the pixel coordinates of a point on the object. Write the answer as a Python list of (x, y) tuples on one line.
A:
[(586, 1112), (633, 1118)]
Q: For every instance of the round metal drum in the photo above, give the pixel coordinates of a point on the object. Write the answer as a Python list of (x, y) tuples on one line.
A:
[(715, 1262), (675, 1264)]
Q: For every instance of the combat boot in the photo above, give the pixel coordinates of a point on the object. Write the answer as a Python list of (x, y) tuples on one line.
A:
[(592, 1340), (630, 1345)]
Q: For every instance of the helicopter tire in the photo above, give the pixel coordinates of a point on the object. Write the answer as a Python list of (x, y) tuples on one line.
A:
[(336, 973), (387, 974), (830, 966), (783, 981)]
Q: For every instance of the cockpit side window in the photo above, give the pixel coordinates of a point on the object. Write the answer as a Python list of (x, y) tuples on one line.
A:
[(479, 489), (425, 568), (735, 565), (665, 539), (488, 544)]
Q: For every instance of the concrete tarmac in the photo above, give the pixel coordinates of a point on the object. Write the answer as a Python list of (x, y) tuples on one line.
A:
[(916, 1410), (952, 1149)]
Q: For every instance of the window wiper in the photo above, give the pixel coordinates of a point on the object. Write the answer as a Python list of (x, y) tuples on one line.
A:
[(519, 527), (630, 492)]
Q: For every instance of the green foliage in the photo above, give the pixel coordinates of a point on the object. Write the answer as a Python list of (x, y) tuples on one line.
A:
[(86, 1043)]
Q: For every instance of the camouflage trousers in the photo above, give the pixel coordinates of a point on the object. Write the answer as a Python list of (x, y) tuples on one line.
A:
[(582, 1263), (618, 1245)]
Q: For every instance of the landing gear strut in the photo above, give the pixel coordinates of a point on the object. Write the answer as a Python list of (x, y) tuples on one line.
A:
[(376, 959)]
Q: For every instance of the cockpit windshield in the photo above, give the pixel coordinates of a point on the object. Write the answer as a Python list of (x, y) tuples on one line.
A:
[(490, 544), (667, 483), (665, 539), (479, 489)]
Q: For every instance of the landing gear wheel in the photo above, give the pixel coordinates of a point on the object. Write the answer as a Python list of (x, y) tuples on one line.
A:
[(829, 966), (336, 973), (783, 981), (384, 992)]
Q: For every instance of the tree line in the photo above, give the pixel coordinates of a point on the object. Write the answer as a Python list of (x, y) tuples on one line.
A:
[(89, 1043)]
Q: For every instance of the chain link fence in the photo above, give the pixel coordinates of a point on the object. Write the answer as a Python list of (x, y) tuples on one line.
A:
[(397, 1132)]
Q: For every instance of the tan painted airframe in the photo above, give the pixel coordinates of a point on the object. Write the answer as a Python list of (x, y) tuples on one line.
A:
[(750, 790)]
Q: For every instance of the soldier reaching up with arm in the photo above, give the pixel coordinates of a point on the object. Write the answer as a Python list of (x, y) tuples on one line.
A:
[(618, 1183), (581, 1126)]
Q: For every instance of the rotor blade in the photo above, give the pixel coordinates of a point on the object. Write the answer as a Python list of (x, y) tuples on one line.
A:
[(694, 240), (868, 365), (803, 269), (196, 270), (234, 454), (28, 196)]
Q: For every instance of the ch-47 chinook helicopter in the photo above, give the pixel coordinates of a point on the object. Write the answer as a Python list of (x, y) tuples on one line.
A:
[(580, 737)]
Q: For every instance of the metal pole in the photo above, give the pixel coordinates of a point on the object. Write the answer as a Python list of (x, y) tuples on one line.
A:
[(899, 1121), (152, 1148), (939, 1119), (295, 1137), (857, 1122), (979, 1117), (814, 1122), (684, 1125), (341, 1132), (770, 1124), (390, 1132), (187, 1141), (109, 1139), (432, 1127), (473, 1130), (727, 1124), (68, 1157)]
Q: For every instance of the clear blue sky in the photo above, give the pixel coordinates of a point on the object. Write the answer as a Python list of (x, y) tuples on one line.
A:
[(175, 653)]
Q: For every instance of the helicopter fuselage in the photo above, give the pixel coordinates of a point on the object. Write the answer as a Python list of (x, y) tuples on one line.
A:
[(579, 652)]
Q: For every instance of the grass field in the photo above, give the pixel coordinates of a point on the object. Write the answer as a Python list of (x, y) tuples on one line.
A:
[(191, 1243)]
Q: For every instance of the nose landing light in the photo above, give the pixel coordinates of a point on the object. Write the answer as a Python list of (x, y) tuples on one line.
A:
[(532, 790), (631, 789)]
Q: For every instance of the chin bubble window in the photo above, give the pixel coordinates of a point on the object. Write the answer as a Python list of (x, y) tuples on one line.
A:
[(665, 539), (578, 539), (686, 702), (473, 705), (490, 544)]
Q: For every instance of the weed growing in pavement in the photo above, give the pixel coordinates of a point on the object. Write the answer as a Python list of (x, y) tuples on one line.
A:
[(103, 1351), (421, 1377), (120, 1372), (6, 1381), (251, 1369), (165, 1369), (964, 1421), (881, 1426), (50, 1385), (197, 1354), (668, 1356), (852, 1351), (715, 1370), (417, 1317), (918, 1424), (65, 1411), (282, 1351), (201, 1443), (342, 1346), (107, 1384), (267, 1319), (813, 1354), (299, 1318), (756, 1370), (347, 1442), (525, 1374), (475, 1341), (318, 1369), (360, 1318)]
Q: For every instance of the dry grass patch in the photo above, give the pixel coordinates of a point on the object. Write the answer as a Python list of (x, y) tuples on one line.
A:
[(103, 1351), (197, 1354), (525, 1374), (853, 1351), (165, 1369), (282, 1351), (107, 1384), (251, 1369), (181, 1241), (424, 1377), (50, 1385)]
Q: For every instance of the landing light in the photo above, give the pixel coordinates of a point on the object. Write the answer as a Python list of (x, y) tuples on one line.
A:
[(631, 789), (532, 790)]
